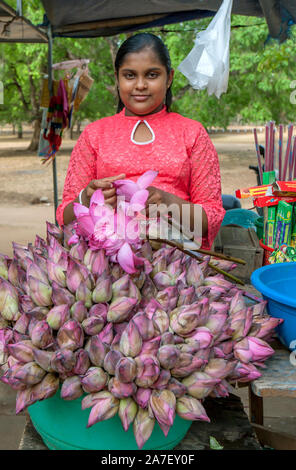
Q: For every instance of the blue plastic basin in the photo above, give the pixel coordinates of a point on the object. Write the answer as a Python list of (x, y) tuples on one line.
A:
[(277, 284)]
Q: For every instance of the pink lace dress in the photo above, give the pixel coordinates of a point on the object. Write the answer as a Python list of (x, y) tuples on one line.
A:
[(180, 150)]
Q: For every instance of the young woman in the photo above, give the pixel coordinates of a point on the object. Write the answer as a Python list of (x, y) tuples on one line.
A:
[(145, 135)]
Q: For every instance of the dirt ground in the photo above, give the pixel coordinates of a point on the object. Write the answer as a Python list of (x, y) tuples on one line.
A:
[(24, 180)]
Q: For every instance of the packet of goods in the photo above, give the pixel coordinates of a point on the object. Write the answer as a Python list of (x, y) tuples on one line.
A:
[(284, 188), (282, 232), (267, 201), (284, 254), (253, 191)]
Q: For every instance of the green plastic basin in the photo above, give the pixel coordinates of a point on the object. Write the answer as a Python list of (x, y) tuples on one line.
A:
[(63, 426)]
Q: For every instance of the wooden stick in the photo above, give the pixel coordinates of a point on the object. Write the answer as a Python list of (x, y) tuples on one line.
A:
[(193, 255)]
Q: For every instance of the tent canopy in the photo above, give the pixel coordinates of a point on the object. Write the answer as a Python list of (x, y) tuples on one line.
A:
[(15, 28), (91, 18)]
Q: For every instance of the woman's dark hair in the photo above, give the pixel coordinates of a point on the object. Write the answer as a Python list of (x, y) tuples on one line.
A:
[(137, 43)]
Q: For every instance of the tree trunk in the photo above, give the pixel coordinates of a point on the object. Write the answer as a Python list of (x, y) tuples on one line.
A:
[(78, 127), (19, 131), (36, 135), (13, 129)]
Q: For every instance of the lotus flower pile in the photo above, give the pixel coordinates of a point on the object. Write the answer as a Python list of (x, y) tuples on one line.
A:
[(142, 333)]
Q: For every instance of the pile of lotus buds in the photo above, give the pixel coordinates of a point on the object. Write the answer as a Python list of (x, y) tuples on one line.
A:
[(94, 312), (145, 346)]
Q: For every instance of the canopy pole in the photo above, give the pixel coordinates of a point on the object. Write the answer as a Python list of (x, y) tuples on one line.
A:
[(50, 89)]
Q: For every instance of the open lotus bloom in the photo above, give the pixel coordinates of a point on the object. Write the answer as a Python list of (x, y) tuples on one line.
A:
[(94, 311)]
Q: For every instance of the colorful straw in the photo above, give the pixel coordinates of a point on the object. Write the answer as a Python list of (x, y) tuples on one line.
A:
[(281, 130), (290, 132)]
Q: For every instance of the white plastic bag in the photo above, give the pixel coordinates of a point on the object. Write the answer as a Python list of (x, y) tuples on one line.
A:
[(207, 64)]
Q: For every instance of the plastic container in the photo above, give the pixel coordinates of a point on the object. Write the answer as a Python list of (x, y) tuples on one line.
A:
[(242, 217), (267, 252), (259, 227), (276, 282), (63, 426)]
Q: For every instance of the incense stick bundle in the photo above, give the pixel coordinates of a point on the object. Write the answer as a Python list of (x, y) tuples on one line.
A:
[(294, 158), (266, 148), (287, 156), (271, 146)]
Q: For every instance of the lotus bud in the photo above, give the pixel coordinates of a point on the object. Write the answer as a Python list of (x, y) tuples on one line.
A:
[(262, 327), (186, 296), (70, 335), (162, 381), (252, 349), (60, 295), (39, 313), (99, 310), (162, 280), (106, 407), (102, 291), (9, 305), (151, 346), (120, 389), (200, 384), (98, 262), (215, 293), (43, 359), (168, 298), (34, 271), (224, 350), (126, 370), (83, 293), (244, 373), (21, 325), (134, 292), (121, 287), (237, 303), (78, 311), (56, 273), (183, 320), (143, 426), (148, 290), (24, 398), (120, 309), (131, 341), (258, 309), (127, 412), (167, 338), (194, 276), (74, 275), (176, 387), (82, 363), (41, 335), (30, 373), (92, 325), (57, 316), (218, 281), (79, 250), (142, 397), (107, 335), (186, 364), (168, 356), (71, 388), (94, 380), (15, 273), (151, 307), (219, 368), (159, 264), (144, 325), (222, 389), (160, 321), (148, 370), (40, 291), (163, 406), (110, 361), (4, 267), (218, 307), (22, 254), (62, 361), (190, 408), (91, 399), (97, 350), (48, 387), (26, 304), (216, 323), (240, 323)]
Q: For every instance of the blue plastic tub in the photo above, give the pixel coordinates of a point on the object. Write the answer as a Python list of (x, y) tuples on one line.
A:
[(277, 284)]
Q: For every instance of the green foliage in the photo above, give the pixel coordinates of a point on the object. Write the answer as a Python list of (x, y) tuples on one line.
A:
[(259, 81)]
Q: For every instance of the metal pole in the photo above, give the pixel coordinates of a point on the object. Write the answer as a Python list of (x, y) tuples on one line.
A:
[(50, 89)]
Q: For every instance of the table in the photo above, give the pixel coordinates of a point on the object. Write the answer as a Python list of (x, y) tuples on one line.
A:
[(277, 380), (229, 425)]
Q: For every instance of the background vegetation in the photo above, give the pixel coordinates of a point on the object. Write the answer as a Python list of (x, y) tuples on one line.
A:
[(259, 86)]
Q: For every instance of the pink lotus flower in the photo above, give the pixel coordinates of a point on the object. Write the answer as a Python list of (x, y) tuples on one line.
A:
[(252, 349), (128, 188)]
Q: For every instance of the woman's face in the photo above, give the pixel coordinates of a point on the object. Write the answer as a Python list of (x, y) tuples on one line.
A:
[(143, 82)]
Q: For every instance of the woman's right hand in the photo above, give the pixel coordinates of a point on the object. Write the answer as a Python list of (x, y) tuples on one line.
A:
[(105, 184)]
